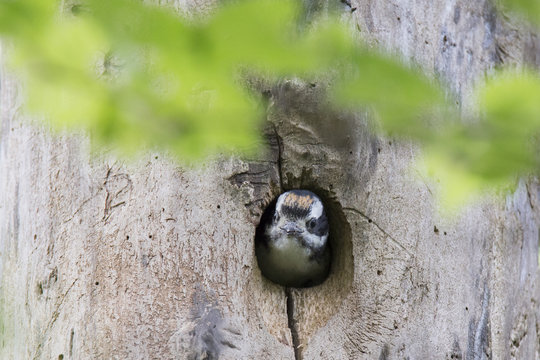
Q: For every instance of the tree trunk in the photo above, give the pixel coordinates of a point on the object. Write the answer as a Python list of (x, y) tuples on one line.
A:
[(101, 259)]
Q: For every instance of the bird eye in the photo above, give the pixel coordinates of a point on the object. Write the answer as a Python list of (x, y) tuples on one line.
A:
[(311, 223)]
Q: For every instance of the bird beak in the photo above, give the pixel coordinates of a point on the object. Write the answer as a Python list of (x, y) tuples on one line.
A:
[(292, 228)]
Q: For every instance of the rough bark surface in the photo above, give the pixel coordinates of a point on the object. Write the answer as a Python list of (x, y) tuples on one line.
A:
[(100, 259)]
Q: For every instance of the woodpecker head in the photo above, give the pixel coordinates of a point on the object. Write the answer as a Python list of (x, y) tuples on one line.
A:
[(292, 242), (299, 215)]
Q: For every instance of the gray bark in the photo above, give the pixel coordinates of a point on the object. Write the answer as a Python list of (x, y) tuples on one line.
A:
[(101, 259)]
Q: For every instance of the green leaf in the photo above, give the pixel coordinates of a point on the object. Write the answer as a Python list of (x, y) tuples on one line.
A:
[(404, 100), (528, 9)]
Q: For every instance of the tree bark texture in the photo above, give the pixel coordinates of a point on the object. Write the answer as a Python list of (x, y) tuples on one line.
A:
[(102, 259)]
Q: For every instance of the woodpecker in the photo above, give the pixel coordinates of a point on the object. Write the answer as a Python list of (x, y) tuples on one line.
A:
[(293, 248)]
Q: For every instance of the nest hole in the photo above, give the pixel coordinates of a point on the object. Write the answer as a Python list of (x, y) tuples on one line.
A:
[(314, 306), (341, 271)]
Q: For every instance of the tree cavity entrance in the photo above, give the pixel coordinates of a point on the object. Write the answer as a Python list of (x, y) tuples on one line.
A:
[(315, 305)]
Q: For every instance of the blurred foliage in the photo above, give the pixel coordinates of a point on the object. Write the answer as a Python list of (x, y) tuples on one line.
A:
[(503, 143), (527, 9), (137, 75)]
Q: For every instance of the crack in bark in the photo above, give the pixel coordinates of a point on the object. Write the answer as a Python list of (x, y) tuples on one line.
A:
[(72, 335), (53, 319), (356, 211), (279, 157), (78, 209), (480, 337), (291, 322), (529, 195), (111, 195)]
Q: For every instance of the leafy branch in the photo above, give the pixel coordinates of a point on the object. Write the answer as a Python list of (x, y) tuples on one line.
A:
[(137, 75)]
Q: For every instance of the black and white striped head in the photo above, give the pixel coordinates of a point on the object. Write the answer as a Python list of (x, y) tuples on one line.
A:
[(300, 214)]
